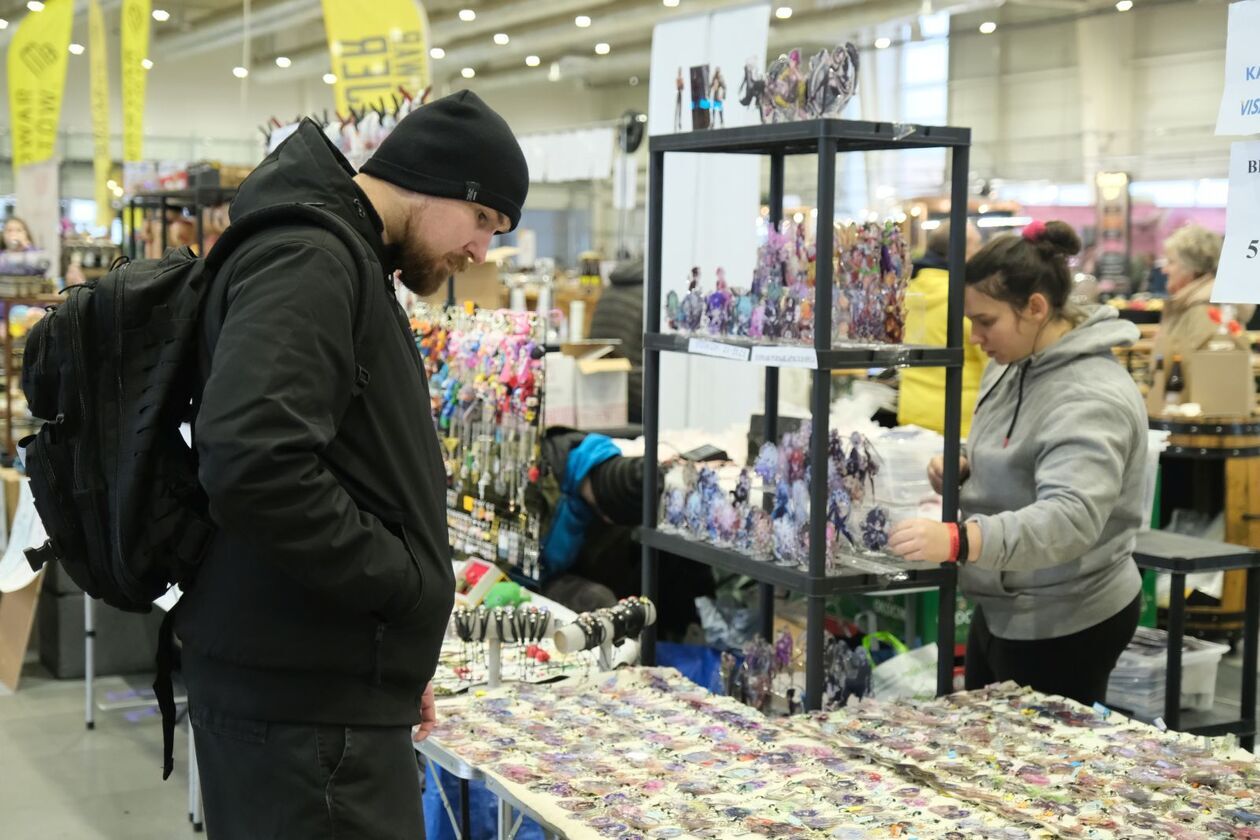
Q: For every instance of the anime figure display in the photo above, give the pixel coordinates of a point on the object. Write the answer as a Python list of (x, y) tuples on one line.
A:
[(678, 92), (791, 92), (717, 99)]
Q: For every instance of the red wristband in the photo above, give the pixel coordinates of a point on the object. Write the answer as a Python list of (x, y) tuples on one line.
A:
[(953, 541)]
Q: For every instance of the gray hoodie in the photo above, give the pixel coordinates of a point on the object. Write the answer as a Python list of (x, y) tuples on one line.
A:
[(1057, 453)]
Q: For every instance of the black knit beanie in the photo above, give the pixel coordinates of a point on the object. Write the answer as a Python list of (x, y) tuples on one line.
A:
[(455, 147)]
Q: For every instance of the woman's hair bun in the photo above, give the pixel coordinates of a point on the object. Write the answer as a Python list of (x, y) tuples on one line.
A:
[(1060, 238)]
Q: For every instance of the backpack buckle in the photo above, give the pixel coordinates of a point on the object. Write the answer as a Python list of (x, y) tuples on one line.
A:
[(40, 556)]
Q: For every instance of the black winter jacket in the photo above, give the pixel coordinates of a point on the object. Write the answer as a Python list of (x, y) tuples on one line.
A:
[(326, 592)]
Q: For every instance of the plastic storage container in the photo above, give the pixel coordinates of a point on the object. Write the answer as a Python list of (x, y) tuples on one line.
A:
[(1138, 682)]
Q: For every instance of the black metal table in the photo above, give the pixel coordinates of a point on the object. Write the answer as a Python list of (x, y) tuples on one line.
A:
[(1179, 556)]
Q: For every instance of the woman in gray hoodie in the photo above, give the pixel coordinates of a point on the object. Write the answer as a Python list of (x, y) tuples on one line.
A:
[(1053, 476)]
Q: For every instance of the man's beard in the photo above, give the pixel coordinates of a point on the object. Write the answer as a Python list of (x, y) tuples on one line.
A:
[(423, 272)]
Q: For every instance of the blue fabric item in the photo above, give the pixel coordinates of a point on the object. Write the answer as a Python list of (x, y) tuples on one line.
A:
[(482, 810), (568, 524), (699, 663)]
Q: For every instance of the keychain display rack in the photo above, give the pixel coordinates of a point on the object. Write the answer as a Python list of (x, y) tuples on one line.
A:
[(486, 384), (824, 138)]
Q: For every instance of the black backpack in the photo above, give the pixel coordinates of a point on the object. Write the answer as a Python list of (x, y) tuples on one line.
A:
[(114, 371)]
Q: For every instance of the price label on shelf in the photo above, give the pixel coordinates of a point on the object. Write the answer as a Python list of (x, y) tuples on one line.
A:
[(1238, 277), (798, 357), (716, 349)]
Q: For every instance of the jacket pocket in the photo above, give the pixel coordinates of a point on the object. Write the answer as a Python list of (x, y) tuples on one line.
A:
[(415, 564)]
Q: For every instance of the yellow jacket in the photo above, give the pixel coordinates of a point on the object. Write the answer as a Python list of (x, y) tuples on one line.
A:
[(922, 399)]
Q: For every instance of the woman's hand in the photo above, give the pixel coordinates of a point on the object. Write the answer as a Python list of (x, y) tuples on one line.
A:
[(936, 472), (924, 540)]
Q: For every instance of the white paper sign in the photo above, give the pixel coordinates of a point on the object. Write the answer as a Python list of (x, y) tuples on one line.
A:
[(1238, 277), (799, 357), (28, 532), (1240, 104), (716, 349)]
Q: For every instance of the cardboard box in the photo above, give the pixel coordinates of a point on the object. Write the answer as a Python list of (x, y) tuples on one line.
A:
[(586, 389), (478, 283), (1221, 382)]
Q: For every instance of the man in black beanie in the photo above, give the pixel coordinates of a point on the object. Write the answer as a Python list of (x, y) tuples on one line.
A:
[(314, 624)]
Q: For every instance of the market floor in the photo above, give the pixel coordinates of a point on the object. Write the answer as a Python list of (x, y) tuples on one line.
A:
[(59, 781)]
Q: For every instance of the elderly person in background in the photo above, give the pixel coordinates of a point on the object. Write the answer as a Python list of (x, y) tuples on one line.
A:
[(1191, 256)]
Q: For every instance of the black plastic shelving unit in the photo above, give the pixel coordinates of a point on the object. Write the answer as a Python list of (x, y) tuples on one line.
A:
[(194, 199), (824, 138)]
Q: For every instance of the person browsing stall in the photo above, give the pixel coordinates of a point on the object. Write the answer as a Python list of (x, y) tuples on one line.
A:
[(313, 626), (1052, 477)]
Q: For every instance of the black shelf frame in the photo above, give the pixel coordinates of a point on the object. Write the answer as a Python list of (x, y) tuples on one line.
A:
[(838, 358), (824, 138), (1178, 556), (914, 575), (194, 199)]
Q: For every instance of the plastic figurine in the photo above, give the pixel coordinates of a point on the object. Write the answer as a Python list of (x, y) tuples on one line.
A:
[(832, 80), (717, 96), (678, 97), (875, 529), (753, 87)]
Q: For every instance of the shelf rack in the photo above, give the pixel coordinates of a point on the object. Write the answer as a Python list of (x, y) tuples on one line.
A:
[(824, 138), (194, 199)]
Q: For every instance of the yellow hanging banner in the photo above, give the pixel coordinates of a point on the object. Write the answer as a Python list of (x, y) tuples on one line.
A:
[(37, 76), (135, 54), (98, 55), (376, 48)]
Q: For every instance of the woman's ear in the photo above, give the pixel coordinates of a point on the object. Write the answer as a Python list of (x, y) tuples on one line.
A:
[(1038, 308)]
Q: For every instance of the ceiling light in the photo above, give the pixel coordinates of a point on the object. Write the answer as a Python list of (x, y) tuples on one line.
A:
[(146, 63), (437, 52), (883, 43), (634, 81), (553, 72), (602, 49), (240, 72), (468, 72), (330, 78), (1124, 5), (582, 21), (161, 15), (467, 15), (783, 12), (35, 6), (501, 39), (988, 27), (76, 49), (4, 24), (532, 61), (112, 184), (670, 4), (283, 62)]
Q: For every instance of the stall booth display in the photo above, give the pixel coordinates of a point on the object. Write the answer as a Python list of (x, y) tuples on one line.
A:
[(645, 753)]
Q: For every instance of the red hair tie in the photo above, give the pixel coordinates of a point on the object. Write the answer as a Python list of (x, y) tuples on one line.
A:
[(1033, 231)]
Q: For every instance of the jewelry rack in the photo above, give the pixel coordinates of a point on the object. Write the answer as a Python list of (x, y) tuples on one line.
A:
[(824, 138)]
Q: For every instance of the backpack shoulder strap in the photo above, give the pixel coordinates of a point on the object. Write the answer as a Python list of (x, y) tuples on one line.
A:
[(314, 216)]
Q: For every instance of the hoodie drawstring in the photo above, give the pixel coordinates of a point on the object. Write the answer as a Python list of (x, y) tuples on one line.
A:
[(1023, 373)]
